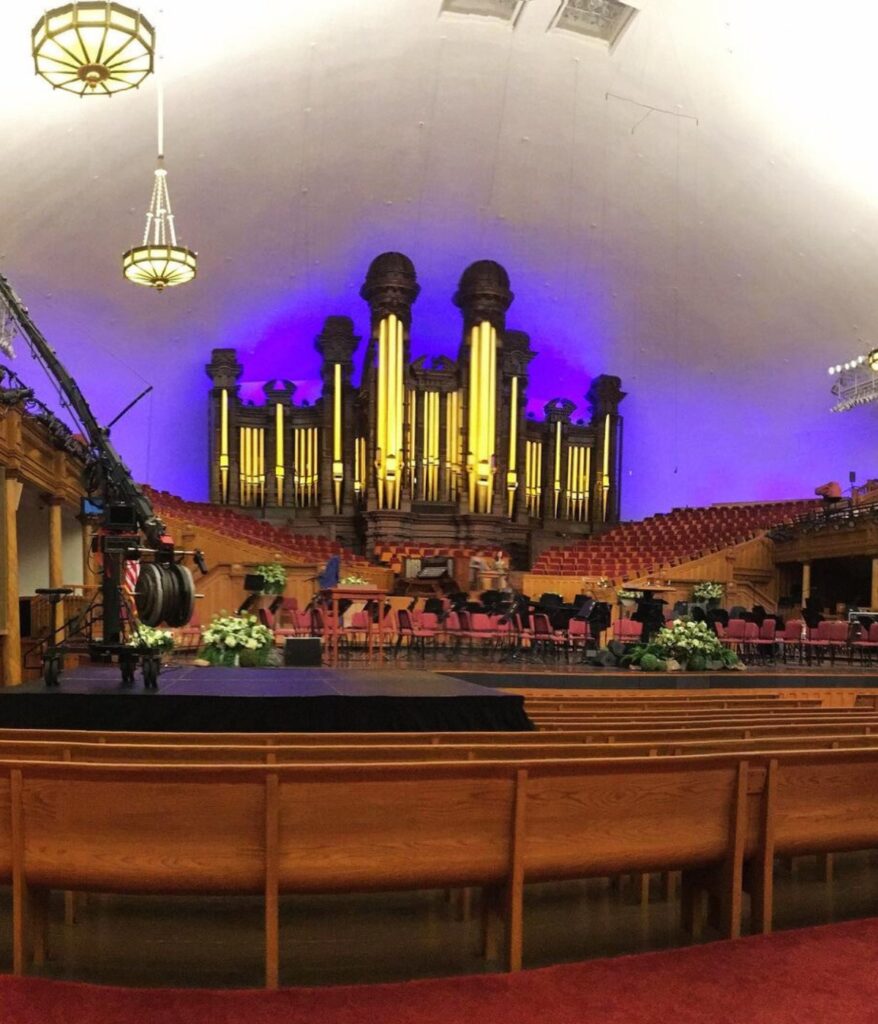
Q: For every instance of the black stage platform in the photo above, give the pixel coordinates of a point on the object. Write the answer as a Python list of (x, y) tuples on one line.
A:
[(598, 679), (192, 699)]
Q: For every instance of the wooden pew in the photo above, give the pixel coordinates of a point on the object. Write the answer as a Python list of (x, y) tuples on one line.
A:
[(181, 753), (342, 828), (815, 802), (842, 724)]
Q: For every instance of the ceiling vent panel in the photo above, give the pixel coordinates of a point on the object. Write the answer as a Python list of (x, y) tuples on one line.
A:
[(601, 20), (498, 10)]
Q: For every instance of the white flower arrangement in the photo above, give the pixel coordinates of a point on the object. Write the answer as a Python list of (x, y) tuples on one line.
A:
[(229, 636), (147, 638), (708, 590), (682, 640), (683, 644), (629, 595)]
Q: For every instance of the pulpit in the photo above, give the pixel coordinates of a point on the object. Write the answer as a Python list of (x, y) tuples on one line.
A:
[(376, 625)]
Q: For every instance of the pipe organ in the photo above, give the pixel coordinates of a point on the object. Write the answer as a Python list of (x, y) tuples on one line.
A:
[(432, 449)]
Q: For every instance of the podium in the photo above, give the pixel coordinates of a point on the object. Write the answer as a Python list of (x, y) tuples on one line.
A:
[(333, 630)]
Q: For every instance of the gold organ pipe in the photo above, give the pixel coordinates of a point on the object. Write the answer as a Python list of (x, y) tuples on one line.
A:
[(586, 487), (260, 463), (580, 462), (359, 465), (314, 465), (452, 443), (336, 423), (557, 475), (412, 403), (279, 451), (337, 458), (537, 477), (606, 470), (483, 411), (568, 496), (391, 396), (527, 474), (244, 458), (434, 447), (472, 419), (248, 446), (391, 456), (297, 468), (224, 446), (491, 430), (513, 425), (381, 434), (577, 475), (482, 415), (400, 409)]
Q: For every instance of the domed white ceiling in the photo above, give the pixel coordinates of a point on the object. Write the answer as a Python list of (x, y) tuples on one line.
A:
[(693, 211)]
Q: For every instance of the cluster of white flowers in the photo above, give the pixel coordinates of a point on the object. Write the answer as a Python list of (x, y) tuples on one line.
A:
[(354, 581), (708, 590), (236, 632), (682, 639), (149, 638)]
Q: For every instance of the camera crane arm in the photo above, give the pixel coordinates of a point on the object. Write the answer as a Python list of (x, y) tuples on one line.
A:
[(120, 485)]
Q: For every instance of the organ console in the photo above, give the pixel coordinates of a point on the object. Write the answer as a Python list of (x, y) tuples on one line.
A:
[(434, 450)]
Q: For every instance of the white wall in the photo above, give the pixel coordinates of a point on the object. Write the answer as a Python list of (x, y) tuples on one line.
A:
[(33, 543)]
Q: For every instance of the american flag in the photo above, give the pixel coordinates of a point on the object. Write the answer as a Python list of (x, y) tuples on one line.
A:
[(129, 585)]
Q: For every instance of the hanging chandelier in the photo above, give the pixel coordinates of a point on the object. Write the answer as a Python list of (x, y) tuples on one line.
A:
[(159, 262), (93, 48)]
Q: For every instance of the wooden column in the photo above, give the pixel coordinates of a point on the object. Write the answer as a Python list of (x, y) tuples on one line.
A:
[(10, 666), (56, 556), (806, 582), (873, 600)]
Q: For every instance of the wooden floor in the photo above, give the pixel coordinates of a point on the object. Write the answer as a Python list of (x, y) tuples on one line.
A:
[(217, 942)]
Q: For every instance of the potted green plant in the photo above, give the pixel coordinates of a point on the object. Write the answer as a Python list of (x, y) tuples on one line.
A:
[(274, 575), (708, 592)]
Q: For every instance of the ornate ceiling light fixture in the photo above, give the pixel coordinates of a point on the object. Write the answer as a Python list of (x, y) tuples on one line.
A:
[(93, 48), (159, 262)]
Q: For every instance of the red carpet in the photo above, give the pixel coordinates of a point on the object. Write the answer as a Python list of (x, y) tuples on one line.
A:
[(821, 975)]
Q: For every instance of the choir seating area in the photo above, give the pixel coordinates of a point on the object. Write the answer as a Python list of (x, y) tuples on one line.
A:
[(703, 790), (295, 547), (633, 550), (411, 632)]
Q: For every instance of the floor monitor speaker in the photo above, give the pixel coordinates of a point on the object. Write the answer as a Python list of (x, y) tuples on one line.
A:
[(303, 650)]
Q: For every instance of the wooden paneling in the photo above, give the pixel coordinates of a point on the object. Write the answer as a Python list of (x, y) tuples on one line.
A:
[(641, 819), (140, 830), (746, 569), (335, 829)]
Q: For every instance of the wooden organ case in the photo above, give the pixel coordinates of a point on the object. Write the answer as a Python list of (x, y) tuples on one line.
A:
[(432, 451)]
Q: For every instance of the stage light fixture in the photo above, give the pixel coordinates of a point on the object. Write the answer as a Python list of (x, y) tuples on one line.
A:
[(93, 48), (873, 360)]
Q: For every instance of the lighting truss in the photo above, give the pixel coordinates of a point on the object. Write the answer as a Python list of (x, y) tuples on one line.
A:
[(855, 382)]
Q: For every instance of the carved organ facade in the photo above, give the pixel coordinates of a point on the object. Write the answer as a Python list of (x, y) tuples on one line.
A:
[(439, 451)]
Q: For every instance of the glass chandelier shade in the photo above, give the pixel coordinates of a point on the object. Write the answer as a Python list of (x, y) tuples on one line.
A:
[(93, 48), (159, 262)]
